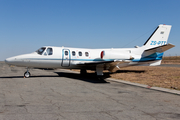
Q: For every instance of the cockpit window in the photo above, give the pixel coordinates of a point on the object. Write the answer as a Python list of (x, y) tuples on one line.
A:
[(49, 51), (40, 51)]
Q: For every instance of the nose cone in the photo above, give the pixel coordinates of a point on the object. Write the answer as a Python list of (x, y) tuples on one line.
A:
[(10, 60)]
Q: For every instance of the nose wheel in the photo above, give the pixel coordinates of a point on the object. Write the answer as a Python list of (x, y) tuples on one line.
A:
[(27, 74)]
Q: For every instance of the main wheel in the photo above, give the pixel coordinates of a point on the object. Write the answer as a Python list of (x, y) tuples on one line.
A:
[(27, 74)]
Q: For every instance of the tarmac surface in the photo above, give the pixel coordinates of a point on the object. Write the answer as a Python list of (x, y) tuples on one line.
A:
[(63, 95)]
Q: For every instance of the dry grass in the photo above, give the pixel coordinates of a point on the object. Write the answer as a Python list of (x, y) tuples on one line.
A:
[(171, 60), (166, 77)]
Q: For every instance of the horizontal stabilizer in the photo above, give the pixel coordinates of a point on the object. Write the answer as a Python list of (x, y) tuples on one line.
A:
[(159, 49)]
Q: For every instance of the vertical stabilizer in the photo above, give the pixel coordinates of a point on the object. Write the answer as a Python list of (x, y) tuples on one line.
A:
[(159, 37)]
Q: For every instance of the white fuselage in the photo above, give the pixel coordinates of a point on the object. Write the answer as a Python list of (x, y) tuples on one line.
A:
[(64, 57)]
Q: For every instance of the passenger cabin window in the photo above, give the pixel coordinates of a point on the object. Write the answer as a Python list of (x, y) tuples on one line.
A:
[(87, 54), (66, 52), (73, 53), (40, 51), (80, 53)]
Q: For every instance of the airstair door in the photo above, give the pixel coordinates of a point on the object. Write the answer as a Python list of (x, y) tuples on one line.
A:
[(66, 57)]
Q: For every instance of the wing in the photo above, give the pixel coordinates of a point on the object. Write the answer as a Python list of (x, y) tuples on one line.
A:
[(112, 66), (94, 62)]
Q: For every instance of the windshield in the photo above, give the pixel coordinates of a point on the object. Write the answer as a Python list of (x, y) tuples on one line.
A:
[(41, 50)]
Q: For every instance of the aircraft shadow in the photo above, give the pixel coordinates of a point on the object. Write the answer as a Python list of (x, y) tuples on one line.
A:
[(12, 77), (89, 77), (30, 76), (133, 71)]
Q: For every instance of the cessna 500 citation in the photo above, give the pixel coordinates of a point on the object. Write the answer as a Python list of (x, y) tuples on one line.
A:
[(150, 54)]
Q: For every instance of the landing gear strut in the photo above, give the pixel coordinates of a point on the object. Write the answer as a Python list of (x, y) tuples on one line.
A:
[(27, 74), (83, 72)]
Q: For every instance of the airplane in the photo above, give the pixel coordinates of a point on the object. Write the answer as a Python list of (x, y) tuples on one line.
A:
[(98, 60)]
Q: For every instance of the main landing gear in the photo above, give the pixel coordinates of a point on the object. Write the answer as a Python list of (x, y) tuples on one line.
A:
[(83, 72), (27, 74)]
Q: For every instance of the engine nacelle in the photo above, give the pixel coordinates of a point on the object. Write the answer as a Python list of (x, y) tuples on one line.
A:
[(110, 54)]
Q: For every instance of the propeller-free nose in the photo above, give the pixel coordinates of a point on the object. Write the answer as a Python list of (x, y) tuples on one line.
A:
[(10, 60), (20, 60)]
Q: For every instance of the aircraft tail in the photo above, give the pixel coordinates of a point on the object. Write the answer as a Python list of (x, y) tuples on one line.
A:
[(159, 37), (155, 46)]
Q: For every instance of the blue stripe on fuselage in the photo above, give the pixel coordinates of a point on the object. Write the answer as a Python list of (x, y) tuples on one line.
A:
[(152, 57), (70, 59)]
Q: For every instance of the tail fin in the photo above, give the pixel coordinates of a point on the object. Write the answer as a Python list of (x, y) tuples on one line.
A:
[(159, 37), (155, 46)]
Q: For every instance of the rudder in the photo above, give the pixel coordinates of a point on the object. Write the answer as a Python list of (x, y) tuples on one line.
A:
[(159, 37)]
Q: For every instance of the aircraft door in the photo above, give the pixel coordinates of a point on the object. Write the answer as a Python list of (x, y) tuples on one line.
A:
[(66, 57)]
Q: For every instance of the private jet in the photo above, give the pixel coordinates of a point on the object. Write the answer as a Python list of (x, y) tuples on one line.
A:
[(98, 60)]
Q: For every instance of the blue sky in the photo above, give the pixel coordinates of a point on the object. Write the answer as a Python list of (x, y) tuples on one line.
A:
[(26, 25)]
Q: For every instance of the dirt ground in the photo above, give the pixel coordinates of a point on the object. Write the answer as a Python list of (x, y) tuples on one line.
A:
[(171, 60), (158, 76), (166, 77)]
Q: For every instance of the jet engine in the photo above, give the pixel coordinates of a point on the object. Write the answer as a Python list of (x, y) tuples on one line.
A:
[(110, 54)]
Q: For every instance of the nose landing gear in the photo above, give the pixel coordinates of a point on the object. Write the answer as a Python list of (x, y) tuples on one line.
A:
[(27, 74)]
